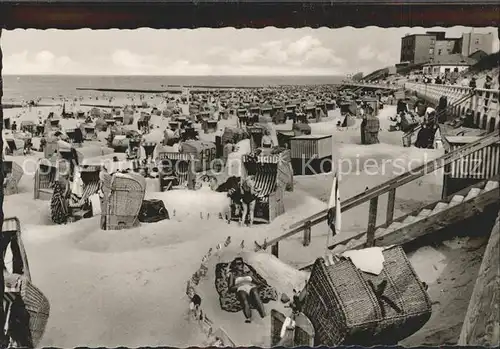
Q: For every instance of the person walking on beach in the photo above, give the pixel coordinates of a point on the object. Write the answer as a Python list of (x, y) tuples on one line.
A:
[(249, 196), (228, 149)]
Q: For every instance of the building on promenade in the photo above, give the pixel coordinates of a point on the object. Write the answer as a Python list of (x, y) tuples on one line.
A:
[(429, 47)]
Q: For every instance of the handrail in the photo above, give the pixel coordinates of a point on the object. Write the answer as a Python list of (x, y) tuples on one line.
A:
[(390, 185), (455, 87)]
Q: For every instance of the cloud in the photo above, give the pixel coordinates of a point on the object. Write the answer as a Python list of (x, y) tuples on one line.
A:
[(303, 45), (246, 56), (227, 51), (366, 53), (42, 62), (307, 52)]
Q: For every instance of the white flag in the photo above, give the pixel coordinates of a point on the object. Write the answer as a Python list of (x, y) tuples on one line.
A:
[(333, 216)]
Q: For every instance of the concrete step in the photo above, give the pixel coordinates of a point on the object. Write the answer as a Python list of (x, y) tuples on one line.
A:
[(473, 193), (394, 226), (440, 206), (409, 220), (422, 214), (490, 185), (457, 199)]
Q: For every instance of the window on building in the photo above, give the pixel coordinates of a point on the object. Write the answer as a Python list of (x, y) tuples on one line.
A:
[(476, 41), (439, 52), (447, 70)]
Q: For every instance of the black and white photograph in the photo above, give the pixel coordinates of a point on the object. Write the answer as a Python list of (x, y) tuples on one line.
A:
[(249, 187)]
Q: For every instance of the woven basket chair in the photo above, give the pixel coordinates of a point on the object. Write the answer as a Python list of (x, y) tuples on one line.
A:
[(13, 173), (350, 307), (35, 303), (123, 196), (303, 334), (45, 176)]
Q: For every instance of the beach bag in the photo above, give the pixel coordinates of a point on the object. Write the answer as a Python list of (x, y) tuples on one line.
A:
[(349, 307), (153, 211)]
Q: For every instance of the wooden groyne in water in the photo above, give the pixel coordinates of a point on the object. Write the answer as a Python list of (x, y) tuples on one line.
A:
[(126, 90)]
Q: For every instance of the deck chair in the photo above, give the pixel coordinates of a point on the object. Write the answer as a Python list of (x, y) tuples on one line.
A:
[(26, 307), (80, 206), (13, 173), (122, 200)]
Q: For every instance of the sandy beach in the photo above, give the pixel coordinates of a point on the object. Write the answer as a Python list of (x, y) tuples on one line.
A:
[(127, 288)]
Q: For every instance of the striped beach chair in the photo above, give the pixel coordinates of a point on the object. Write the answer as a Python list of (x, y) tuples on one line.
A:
[(91, 185), (265, 182)]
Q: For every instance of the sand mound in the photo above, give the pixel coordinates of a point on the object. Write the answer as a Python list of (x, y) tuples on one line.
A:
[(189, 203)]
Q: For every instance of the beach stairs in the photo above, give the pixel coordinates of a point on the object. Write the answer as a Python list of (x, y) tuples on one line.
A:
[(430, 219), (461, 205)]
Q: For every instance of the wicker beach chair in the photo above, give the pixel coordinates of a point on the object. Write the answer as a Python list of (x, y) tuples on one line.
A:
[(372, 129), (122, 201), (13, 173), (90, 132), (80, 207), (349, 307), (22, 294), (45, 176)]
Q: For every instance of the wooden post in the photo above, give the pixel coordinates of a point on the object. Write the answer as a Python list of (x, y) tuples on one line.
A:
[(307, 233), (390, 207), (372, 222), (275, 249), (482, 320)]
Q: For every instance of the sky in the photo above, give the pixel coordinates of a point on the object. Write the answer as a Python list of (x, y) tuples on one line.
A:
[(205, 51)]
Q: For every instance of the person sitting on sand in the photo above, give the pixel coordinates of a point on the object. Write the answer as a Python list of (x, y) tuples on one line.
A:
[(244, 284), (248, 198)]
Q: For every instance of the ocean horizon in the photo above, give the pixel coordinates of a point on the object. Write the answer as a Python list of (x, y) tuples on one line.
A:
[(27, 87)]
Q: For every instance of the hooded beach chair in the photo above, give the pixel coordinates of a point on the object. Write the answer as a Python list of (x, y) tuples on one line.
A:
[(45, 176), (80, 206), (122, 200), (26, 308), (13, 173)]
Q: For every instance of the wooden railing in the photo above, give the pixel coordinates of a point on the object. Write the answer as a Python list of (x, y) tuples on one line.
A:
[(304, 226), (484, 103)]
